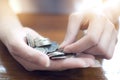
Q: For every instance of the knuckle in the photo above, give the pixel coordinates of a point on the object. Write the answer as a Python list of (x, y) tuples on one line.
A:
[(93, 39), (109, 54), (74, 16), (109, 57), (105, 52)]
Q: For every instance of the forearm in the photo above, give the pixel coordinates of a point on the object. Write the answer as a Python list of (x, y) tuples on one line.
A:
[(8, 20)]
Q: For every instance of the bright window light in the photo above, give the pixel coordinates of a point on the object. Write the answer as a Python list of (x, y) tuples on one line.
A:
[(15, 6), (87, 4)]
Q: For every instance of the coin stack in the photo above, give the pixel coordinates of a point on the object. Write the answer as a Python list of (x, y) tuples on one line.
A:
[(48, 47)]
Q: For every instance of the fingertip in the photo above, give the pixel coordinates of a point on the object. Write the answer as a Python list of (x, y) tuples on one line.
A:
[(67, 49), (39, 57), (68, 40), (44, 60), (63, 44)]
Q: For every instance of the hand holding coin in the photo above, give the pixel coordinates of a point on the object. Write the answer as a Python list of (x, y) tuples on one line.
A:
[(48, 47)]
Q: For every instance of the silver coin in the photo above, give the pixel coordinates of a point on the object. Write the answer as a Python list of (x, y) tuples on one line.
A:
[(43, 50), (68, 55), (61, 56), (58, 57), (42, 42), (46, 46), (53, 47), (46, 41), (46, 49), (56, 53), (30, 40)]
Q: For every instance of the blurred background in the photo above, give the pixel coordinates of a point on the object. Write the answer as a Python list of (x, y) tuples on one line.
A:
[(51, 6)]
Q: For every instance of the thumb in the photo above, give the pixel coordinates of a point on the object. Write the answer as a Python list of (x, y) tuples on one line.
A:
[(37, 56), (29, 54)]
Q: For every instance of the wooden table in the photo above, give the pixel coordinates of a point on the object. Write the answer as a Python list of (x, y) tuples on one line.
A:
[(54, 27)]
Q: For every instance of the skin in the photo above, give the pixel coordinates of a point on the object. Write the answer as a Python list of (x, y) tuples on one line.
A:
[(13, 35), (101, 24)]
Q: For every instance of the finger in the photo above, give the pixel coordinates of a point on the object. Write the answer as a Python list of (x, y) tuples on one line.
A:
[(83, 61), (107, 40), (73, 28), (102, 47), (27, 64), (111, 48), (29, 54), (95, 29)]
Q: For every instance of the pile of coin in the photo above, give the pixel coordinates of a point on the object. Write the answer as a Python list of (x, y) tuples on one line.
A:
[(48, 47)]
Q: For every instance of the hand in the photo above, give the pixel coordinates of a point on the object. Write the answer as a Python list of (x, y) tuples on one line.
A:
[(100, 38), (32, 59)]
